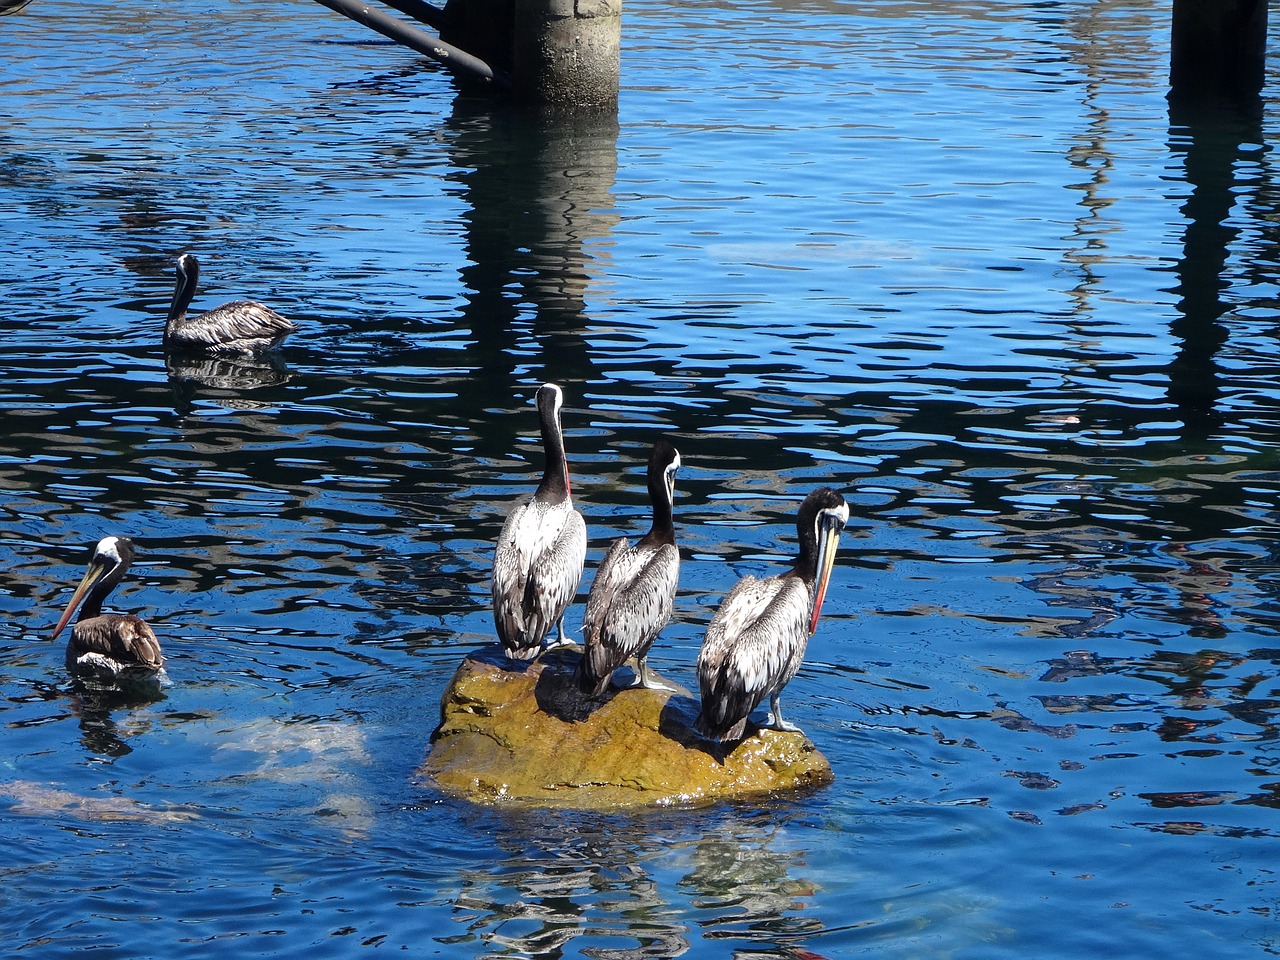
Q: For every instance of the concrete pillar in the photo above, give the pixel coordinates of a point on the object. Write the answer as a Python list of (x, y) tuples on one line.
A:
[(566, 54), (1218, 48)]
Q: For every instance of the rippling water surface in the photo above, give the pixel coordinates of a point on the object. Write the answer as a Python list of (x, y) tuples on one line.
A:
[(958, 260)]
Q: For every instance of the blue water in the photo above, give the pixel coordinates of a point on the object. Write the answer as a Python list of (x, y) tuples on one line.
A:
[(959, 261)]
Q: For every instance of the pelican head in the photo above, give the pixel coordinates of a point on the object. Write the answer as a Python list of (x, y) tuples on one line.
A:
[(822, 516), (550, 399), (187, 269), (664, 461), (108, 562)]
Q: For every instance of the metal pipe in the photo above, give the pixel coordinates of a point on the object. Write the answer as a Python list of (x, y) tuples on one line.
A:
[(423, 12), (446, 54)]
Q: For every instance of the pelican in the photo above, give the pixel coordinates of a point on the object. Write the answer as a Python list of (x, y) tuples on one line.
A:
[(108, 646), (238, 328), (540, 552), (634, 587), (756, 640)]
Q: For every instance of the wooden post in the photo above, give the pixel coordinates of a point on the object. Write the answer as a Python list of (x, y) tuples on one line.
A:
[(567, 53), (1218, 49)]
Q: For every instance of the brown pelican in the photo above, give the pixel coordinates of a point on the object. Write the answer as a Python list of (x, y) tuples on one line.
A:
[(756, 640), (108, 646), (238, 328), (634, 587), (540, 552)]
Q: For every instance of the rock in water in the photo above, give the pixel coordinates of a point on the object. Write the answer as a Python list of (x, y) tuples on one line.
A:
[(521, 733)]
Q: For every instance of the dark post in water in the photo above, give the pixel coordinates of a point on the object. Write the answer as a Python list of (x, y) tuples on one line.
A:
[(559, 54), (566, 53), (1219, 48)]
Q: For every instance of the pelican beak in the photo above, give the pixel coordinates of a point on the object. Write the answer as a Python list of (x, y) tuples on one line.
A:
[(91, 576), (830, 523)]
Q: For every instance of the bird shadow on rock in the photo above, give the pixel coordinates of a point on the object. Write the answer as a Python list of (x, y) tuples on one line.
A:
[(556, 690), (494, 655), (678, 722)]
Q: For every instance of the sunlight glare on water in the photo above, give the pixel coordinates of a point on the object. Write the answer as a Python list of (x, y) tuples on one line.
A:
[(962, 262)]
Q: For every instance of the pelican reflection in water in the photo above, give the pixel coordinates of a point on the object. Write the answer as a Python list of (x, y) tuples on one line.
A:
[(540, 553), (634, 587), (757, 639), (239, 328), (108, 647)]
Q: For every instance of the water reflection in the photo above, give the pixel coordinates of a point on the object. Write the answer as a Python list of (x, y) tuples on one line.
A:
[(584, 883), (110, 718), (244, 373), (750, 890), (1218, 144), (540, 212), (592, 886)]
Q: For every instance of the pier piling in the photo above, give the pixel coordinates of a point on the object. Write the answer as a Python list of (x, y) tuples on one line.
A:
[(1218, 49)]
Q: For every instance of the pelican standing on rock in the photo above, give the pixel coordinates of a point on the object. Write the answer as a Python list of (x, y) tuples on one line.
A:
[(756, 640), (238, 328), (538, 561), (108, 646), (634, 587)]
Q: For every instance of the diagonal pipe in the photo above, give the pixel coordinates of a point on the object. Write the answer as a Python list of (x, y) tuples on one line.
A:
[(446, 54), (423, 12)]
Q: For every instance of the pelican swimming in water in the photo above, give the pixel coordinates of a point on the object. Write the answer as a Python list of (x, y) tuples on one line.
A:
[(634, 587), (756, 640), (238, 328), (108, 646), (541, 550)]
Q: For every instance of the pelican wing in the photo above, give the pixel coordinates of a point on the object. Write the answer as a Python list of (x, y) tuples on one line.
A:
[(629, 604), (536, 570), (126, 641), (617, 566), (511, 562), (753, 647), (557, 571), (239, 326)]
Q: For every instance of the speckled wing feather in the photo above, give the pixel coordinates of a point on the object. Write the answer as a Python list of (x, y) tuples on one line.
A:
[(753, 647), (238, 327), (536, 569), (511, 562), (558, 571), (114, 643), (629, 604), (618, 563)]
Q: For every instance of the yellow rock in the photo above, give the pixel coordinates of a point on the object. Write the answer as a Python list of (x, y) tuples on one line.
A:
[(521, 733)]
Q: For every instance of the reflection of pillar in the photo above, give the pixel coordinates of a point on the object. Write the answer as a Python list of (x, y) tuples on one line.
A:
[(539, 193), (1218, 47), (1211, 140)]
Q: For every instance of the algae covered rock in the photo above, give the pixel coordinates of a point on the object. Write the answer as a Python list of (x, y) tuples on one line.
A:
[(522, 733)]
